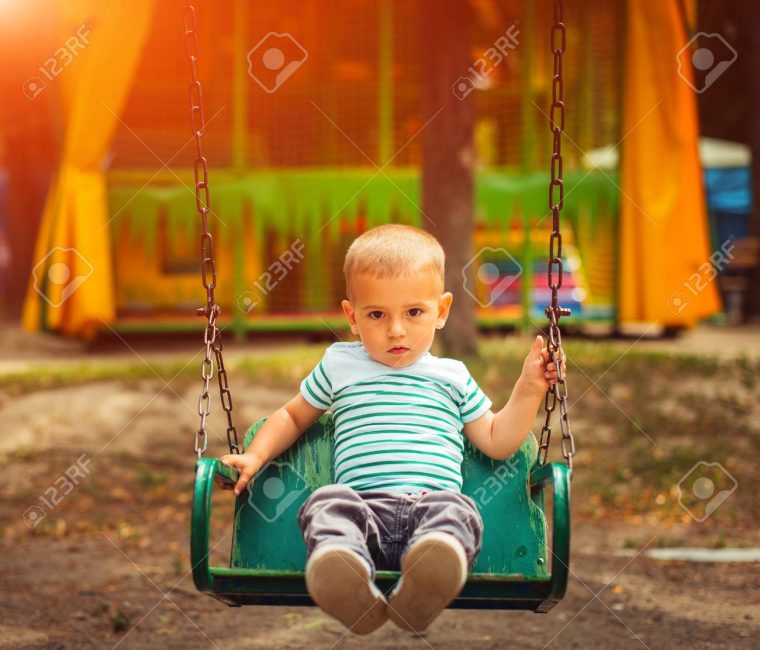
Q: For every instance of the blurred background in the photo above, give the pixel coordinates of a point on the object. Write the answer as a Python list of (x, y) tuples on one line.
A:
[(323, 118), (657, 165)]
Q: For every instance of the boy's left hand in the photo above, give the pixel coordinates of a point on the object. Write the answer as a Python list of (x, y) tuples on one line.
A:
[(538, 372)]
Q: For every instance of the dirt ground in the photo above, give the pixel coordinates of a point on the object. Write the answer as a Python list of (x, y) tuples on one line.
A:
[(108, 566)]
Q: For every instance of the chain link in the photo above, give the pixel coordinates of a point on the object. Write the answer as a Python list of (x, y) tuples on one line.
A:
[(212, 336), (557, 392)]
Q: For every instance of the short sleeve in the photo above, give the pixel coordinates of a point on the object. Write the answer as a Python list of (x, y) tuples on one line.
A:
[(475, 402), (316, 388)]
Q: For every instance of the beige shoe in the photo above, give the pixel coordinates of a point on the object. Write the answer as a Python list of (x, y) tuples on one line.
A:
[(338, 579), (433, 572)]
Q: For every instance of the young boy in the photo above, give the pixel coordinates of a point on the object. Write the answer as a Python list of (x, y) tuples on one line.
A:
[(399, 413)]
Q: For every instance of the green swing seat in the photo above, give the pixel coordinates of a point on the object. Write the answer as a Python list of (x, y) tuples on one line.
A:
[(514, 570)]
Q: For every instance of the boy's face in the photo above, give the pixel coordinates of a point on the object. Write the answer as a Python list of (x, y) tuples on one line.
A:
[(396, 318)]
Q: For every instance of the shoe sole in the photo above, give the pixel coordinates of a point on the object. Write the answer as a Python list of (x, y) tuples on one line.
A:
[(338, 581), (432, 577)]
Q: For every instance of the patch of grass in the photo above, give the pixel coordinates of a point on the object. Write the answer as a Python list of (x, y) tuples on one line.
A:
[(748, 371), (24, 453), (120, 621), (281, 369), (665, 541), (597, 357), (720, 540), (284, 367), (41, 378), (148, 478)]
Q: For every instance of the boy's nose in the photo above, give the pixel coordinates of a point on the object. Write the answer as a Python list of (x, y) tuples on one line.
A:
[(396, 329)]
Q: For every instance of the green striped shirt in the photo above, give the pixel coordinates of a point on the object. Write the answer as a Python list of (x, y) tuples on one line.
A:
[(396, 429)]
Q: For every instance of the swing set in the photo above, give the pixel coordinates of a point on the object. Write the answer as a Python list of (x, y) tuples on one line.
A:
[(516, 567)]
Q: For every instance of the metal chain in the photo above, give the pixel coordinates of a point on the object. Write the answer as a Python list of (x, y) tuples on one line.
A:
[(553, 312), (212, 336)]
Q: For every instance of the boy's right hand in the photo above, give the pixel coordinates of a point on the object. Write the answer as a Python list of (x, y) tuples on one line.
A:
[(247, 466)]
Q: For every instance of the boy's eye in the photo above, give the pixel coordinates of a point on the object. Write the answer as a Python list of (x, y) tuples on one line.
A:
[(415, 311), (375, 315)]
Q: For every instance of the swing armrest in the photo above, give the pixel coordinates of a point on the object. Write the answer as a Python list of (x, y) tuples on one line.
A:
[(205, 471), (226, 473), (558, 475)]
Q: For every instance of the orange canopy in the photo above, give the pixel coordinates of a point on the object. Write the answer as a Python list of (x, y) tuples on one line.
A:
[(666, 271), (71, 289)]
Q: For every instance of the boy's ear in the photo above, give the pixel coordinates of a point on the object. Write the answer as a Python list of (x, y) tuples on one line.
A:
[(444, 306), (348, 310)]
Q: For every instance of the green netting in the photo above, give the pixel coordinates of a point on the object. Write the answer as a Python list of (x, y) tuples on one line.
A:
[(297, 162), (302, 203)]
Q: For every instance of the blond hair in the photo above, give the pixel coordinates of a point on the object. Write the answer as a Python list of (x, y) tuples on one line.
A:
[(391, 251)]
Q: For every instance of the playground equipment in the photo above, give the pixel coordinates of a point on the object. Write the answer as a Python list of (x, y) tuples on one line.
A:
[(513, 569), (283, 171)]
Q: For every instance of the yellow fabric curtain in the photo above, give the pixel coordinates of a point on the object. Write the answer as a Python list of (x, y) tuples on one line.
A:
[(71, 288), (665, 274)]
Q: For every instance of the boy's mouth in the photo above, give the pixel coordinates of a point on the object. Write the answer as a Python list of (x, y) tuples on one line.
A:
[(398, 350)]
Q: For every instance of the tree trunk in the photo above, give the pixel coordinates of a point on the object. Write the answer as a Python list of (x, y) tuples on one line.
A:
[(448, 158)]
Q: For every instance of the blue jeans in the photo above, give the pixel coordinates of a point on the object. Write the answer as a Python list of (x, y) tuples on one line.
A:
[(379, 525)]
